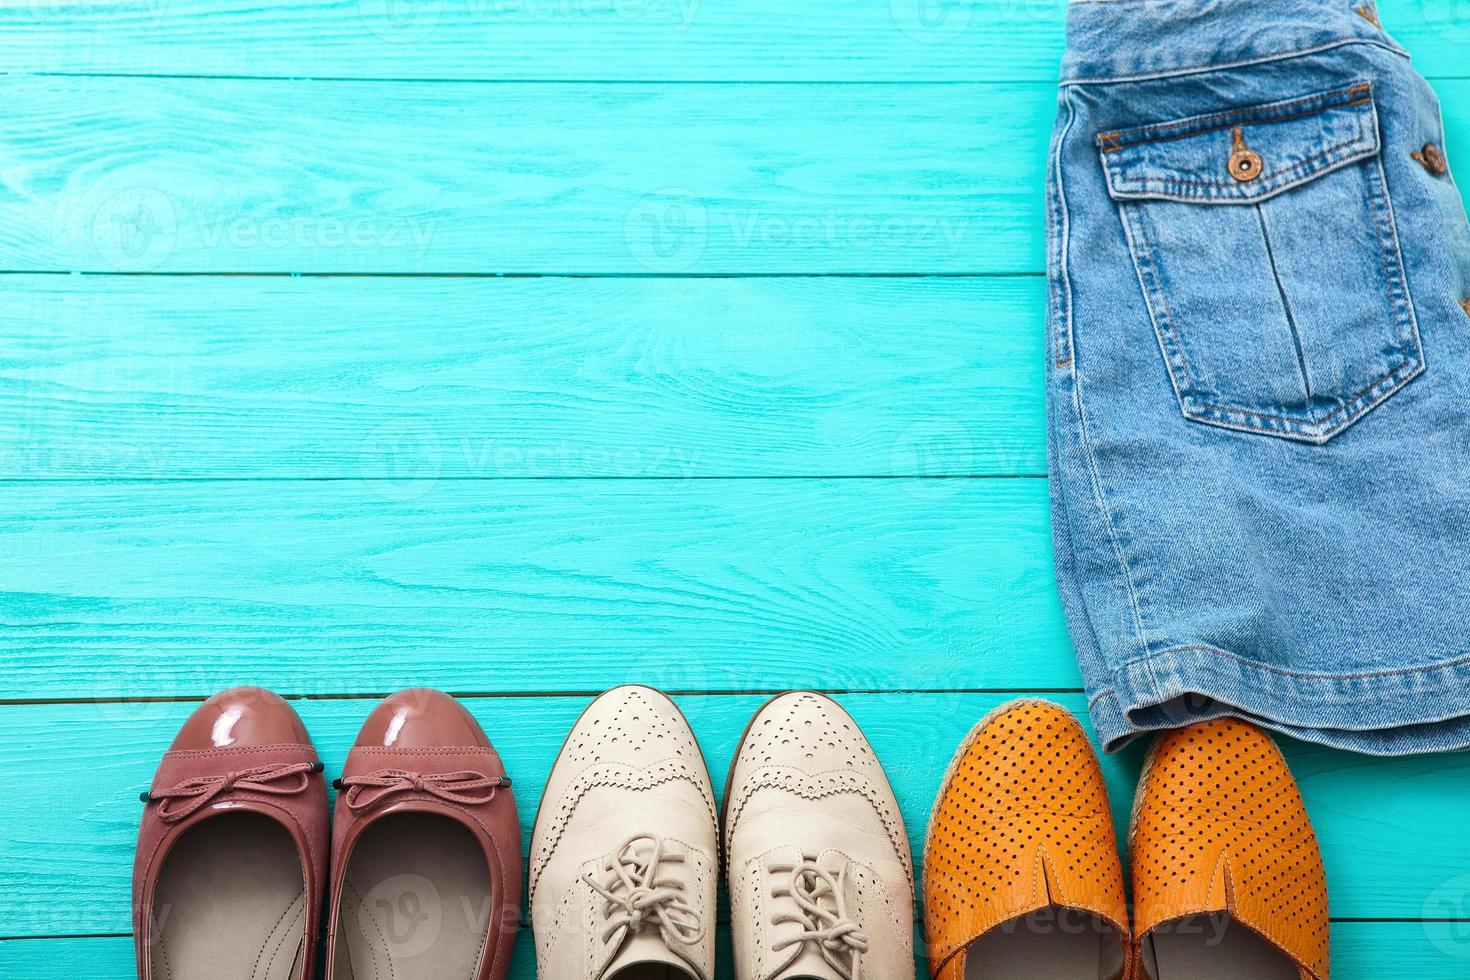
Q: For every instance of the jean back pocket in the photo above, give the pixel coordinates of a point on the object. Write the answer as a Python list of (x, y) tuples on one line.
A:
[(1264, 240)]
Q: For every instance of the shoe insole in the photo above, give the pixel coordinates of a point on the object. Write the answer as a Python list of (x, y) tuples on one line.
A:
[(1214, 947), (415, 902), (230, 903), (1051, 944), (651, 971)]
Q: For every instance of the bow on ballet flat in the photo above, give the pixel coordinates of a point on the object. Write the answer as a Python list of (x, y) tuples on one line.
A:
[(465, 787), (180, 801)]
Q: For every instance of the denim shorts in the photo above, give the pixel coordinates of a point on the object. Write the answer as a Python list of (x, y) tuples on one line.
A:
[(1259, 375)]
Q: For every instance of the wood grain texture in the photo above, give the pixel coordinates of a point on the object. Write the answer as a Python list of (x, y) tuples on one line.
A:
[(1360, 951), (71, 826), (272, 176), (326, 587), (210, 175), (343, 486), (624, 40), (154, 378)]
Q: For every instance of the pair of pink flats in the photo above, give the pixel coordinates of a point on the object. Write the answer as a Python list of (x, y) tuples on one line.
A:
[(234, 850)]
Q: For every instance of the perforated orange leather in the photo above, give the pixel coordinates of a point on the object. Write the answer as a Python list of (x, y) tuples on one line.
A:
[(1218, 826), (1022, 822)]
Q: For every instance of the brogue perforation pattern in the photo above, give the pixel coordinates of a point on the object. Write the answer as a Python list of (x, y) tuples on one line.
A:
[(632, 729), (827, 739)]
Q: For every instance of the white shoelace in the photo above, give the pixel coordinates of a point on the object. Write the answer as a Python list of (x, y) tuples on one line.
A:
[(635, 893), (820, 899)]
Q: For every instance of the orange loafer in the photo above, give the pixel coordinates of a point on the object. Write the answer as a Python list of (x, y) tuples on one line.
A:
[(1227, 878), (1021, 869)]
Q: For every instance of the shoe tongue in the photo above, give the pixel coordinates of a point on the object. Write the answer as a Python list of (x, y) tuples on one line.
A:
[(810, 965), (647, 946)]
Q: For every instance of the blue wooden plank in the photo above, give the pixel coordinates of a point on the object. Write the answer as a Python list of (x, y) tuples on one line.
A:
[(213, 377), (322, 587), (229, 175), (1360, 951), (210, 175), (67, 829), (142, 590), (111, 958), (641, 40)]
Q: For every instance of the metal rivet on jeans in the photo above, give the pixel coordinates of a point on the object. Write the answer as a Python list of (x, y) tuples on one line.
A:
[(1432, 159), (1245, 163)]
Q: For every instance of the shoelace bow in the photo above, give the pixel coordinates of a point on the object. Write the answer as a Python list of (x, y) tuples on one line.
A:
[(464, 787), (821, 903), (282, 779), (635, 893)]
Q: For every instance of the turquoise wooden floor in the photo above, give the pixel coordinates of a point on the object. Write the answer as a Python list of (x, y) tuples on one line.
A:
[(525, 347)]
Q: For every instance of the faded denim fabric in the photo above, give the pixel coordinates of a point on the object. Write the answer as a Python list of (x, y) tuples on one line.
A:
[(1259, 375)]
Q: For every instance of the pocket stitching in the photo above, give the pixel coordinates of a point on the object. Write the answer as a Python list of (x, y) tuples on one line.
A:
[(1362, 401), (1170, 342), (1290, 173), (1320, 429), (1112, 142), (1368, 134), (1390, 251)]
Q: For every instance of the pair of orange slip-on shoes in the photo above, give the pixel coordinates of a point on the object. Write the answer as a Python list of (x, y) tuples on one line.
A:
[(1022, 879)]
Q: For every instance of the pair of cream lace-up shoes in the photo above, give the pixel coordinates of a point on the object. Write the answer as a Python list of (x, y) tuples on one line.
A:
[(625, 861)]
